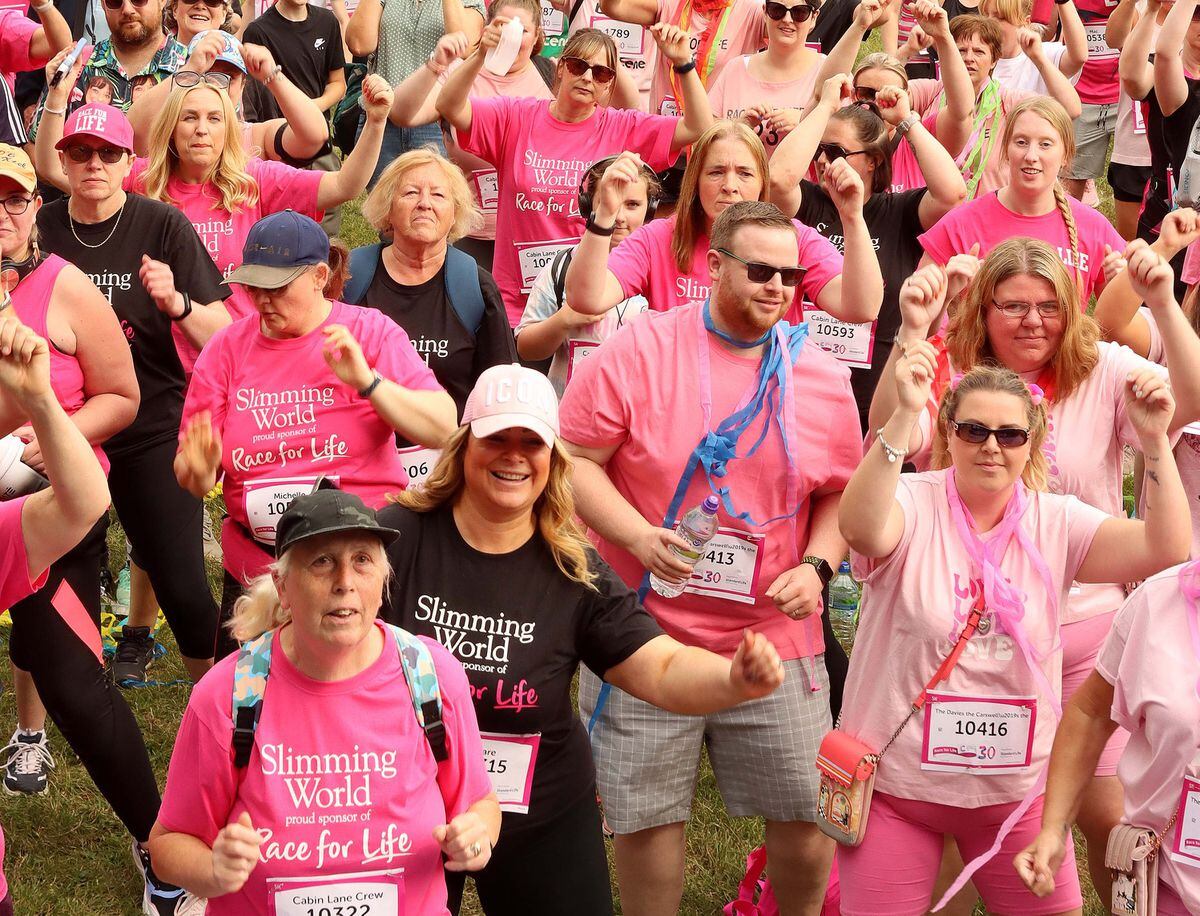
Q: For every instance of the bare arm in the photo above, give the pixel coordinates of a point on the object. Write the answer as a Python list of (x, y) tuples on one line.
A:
[(454, 100), (1135, 69), (1057, 85), (306, 130), (795, 152), (674, 45), (943, 179), (50, 129), (639, 12), (204, 319), (52, 37), (1074, 37), (362, 34), (1170, 84), (335, 91), (460, 19), (1120, 24), (869, 516), (591, 287), (956, 120), (857, 294), (625, 93), (351, 179)]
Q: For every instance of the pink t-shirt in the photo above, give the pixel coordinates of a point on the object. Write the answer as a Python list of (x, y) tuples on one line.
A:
[(744, 32), (482, 175), (1149, 660), (987, 221), (1099, 83), (341, 779), (906, 171), (622, 396), (285, 419), (16, 32), (915, 603), (540, 161), (734, 90), (644, 265)]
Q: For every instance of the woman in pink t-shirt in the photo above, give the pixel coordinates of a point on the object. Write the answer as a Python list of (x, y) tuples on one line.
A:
[(1145, 681), (977, 556), (313, 388), (346, 793), (667, 260), (542, 148), (1038, 141)]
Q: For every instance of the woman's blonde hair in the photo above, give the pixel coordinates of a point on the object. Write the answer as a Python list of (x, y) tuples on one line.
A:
[(967, 338), (1056, 116), (377, 208), (1014, 12), (881, 61), (998, 379), (554, 510), (690, 219), (235, 187)]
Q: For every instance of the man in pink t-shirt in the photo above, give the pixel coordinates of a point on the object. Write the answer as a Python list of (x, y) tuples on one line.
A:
[(635, 429)]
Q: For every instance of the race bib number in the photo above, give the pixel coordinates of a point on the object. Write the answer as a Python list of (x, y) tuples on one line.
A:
[(365, 893), (629, 38), (510, 760), (989, 734), (487, 186), (553, 21), (729, 567), (533, 256), (669, 108), (267, 500), (853, 344), (418, 462), (1097, 46), (1185, 847), (578, 350)]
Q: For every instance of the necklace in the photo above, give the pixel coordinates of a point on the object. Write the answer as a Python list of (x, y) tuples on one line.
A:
[(108, 238)]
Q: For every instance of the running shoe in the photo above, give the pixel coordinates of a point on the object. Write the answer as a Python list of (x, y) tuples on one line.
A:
[(134, 652), (160, 898), (27, 764)]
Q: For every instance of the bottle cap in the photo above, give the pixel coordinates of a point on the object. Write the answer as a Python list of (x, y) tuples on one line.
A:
[(710, 505), (844, 566)]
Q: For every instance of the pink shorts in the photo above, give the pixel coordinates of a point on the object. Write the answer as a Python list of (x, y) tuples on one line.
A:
[(1081, 642), (894, 869)]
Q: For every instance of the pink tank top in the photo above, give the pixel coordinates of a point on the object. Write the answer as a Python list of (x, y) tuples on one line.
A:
[(31, 302)]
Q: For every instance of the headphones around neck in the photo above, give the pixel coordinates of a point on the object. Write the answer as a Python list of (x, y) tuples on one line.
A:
[(598, 168)]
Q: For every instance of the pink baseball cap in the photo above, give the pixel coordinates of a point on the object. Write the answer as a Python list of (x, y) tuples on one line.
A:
[(509, 396), (104, 122)]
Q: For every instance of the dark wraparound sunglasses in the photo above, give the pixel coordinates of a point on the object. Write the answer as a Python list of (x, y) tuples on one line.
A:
[(79, 152), (577, 66), (757, 272), (977, 434), (833, 151), (800, 13)]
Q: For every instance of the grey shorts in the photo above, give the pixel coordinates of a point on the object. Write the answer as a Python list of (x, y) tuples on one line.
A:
[(1094, 128), (763, 753)]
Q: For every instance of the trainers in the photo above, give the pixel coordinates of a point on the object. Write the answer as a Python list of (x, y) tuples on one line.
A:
[(27, 764), (135, 649), (160, 898)]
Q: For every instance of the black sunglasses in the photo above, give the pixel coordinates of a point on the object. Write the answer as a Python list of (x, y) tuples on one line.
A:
[(185, 79), (81, 153), (977, 434), (117, 4), (211, 4), (833, 151), (757, 272), (865, 93), (800, 13), (577, 66)]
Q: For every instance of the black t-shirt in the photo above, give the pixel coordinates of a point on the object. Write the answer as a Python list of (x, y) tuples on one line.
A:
[(455, 354), (834, 19), (520, 628), (307, 51), (144, 227), (894, 221), (1168, 135)]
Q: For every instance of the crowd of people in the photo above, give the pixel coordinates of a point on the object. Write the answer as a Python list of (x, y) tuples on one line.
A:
[(641, 266)]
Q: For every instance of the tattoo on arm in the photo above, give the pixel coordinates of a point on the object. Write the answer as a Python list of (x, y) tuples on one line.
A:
[(1152, 475)]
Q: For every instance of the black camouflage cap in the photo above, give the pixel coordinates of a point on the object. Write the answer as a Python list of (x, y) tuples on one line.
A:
[(327, 510)]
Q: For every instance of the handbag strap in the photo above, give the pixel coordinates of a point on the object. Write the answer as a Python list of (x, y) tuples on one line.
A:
[(1157, 841)]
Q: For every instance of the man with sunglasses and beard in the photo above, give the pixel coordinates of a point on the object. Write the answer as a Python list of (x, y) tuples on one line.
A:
[(753, 413)]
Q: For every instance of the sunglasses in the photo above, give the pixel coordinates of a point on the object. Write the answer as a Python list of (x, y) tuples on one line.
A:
[(800, 13), (1021, 309), (185, 79), (211, 4), (757, 272), (117, 4), (977, 434), (865, 93), (577, 66), (833, 151), (81, 153)]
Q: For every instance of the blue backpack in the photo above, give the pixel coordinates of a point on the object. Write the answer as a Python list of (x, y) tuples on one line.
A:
[(250, 685), (462, 282)]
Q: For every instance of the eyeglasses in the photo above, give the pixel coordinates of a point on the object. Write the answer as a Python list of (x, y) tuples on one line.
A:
[(977, 434), (577, 66), (757, 272), (800, 13), (15, 205), (833, 151), (1021, 309), (81, 153), (117, 4), (185, 79)]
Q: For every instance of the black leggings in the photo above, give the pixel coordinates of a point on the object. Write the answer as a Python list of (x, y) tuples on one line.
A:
[(165, 527), (230, 592), (70, 679), (558, 868)]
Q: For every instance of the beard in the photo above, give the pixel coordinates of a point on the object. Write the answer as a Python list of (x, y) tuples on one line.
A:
[(134, 33), (745, 320)]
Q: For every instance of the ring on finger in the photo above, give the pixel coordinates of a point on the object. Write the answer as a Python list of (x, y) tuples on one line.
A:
[(475, 850)]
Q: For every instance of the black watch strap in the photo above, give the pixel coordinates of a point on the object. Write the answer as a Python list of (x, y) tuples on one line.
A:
[(603, 231), (187, 308), (824, 570), (685, 67)]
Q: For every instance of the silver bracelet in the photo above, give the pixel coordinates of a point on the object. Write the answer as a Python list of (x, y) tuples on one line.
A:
[(275, 71), (893, 454), (46, 109)]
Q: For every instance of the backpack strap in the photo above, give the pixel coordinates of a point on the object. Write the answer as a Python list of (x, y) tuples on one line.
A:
[(417, 662), (545, 66), (249, 685), (558, 275), (363, 264), (462, 287)]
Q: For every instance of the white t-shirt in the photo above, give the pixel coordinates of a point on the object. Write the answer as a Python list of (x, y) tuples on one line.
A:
[(1018, 74)]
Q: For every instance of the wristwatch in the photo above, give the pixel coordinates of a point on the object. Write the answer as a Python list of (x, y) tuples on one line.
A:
[(907, 124), (187, 308), (824, 570), (685, 67), (603, 231), (370, 389)]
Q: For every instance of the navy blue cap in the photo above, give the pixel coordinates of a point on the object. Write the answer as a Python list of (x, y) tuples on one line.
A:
[(279, 248)]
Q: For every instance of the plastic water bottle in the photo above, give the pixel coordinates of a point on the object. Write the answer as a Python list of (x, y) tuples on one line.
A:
[(843, 604), (697, 528), (501, 58)]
